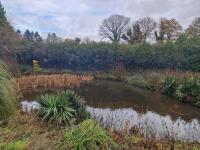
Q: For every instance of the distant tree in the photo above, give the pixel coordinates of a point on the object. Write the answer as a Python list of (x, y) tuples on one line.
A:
[(133, 34), (19, 33), (77, 40), (28, 35), (37, 37), (53, 38), (194, 28), (87, 40), (147, 25), (169, 29), (114, 27)]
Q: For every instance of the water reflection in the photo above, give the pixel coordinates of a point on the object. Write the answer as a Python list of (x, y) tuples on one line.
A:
[(152, 124)]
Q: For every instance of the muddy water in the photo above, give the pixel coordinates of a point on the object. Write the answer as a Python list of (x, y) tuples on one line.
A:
[(118, 105)]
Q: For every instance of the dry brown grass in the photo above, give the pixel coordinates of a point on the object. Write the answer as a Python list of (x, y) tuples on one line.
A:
[(51, 82)]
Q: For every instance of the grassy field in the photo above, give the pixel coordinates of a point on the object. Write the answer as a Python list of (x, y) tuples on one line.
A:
[(25, 131)]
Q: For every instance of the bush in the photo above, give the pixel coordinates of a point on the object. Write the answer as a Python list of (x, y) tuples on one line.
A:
[(88, 135), (64, 107), (169, 85), (189, 90), (7, 93)]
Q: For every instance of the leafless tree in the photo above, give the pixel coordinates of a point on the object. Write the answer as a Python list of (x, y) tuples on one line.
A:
[(147, 25), (194, 28), (114, 27), (133, 34)]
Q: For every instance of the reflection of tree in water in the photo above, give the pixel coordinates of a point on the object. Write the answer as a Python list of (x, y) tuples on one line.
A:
[(151, 124)]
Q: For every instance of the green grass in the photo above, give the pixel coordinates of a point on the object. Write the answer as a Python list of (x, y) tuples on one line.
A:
[(88, 135), (7, 93)]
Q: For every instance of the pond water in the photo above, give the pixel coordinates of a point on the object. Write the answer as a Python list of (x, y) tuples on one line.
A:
[(117, 105)]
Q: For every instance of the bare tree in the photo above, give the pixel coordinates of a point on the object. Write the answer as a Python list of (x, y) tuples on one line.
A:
[(114, 27), (194, 28), (147, 25), (133, 34)]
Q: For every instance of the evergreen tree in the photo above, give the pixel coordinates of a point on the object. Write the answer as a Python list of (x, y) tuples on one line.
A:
[(3, 19), (28, 35), (37, 37)]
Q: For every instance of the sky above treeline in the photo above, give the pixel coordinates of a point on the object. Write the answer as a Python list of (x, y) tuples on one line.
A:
[(81, 18)]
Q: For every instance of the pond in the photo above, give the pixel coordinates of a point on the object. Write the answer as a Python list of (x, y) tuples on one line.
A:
[(119, 106)]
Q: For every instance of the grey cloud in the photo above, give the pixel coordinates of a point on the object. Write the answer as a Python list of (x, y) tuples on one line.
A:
[(70, 18)]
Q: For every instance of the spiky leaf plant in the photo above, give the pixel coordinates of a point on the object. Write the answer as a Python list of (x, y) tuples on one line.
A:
[(63, 107), (56, 110), (7, 93)]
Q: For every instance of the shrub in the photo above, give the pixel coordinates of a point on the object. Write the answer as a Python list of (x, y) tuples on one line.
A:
[(189, 90), (64, 107), (169, 85), (88, 135), (7, 93)]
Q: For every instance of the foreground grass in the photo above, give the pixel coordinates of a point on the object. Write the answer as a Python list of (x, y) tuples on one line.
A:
[(25, 131)]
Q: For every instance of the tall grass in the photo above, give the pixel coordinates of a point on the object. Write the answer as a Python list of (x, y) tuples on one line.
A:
[(7, 93), (51, 82)]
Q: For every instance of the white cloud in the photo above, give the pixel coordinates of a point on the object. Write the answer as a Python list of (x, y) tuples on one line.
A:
[(70, 18)]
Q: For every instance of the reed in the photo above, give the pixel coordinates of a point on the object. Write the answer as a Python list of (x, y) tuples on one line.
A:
[(51, 82)]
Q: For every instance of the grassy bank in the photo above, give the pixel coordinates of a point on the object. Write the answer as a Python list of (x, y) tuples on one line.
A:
[(25, 131)]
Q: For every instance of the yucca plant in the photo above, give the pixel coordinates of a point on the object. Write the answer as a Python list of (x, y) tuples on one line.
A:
[(63, 107), (76, 102), (7, 93), (88, 135), (56, 110)]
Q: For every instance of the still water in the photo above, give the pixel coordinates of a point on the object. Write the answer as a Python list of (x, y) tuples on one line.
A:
[(117, 105)]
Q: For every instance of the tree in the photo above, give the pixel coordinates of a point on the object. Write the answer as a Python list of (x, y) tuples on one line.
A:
[(169, 28), (114, 27), (77, 40), (28, 35), (37, 38), (53, 38), (8, 40), (3, 19), (147, 25), (19, 33), (133, 34), (194, 28)]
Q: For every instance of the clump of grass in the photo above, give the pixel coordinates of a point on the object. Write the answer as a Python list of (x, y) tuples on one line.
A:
[(7, 93), (63, 108), (87, 135)]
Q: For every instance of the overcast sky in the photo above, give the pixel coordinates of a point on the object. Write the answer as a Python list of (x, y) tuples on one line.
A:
[(71, 18)]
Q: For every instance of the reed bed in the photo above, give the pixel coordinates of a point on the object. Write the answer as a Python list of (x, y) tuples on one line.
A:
[(52, 82)]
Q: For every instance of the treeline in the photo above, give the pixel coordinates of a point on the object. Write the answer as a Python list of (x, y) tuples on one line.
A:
[(172, 48), (183, 54)]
